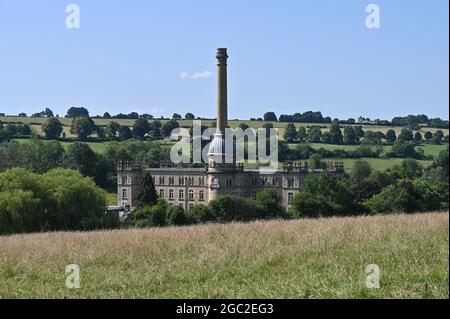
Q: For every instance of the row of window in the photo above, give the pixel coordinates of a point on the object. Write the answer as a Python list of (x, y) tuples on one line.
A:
[(181, 194), (201, 181)]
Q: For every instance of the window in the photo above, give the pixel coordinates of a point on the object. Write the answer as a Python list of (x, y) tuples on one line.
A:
[(124, 193), (171, 194), (171, 180), (181, 180), (201, 195), (254, 195), (181, 205), (191, 206), (201, 181), (290, 198), (161, 193), (181, 194), (161, 180), (191, 195), (119, 180), (129, 180), (229, 182)]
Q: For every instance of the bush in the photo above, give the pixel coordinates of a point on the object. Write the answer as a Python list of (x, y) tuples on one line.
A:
[(150, 216), (321, 196), (408, 196), (176, 216), (268, 203), (202, 214), (229, 208)]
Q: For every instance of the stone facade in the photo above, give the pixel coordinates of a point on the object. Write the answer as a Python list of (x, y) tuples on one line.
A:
[(188, 187)]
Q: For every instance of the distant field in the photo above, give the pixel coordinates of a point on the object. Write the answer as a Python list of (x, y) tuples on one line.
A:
[(97, 147), (429, 149), (323, 258), (376, 163), (36, 122)]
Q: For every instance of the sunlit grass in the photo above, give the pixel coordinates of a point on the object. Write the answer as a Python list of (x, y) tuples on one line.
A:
[(323, 258)]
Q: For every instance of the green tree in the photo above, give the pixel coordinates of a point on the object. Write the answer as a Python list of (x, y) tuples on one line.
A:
[(314, 134), (321, 196), (150, 216), (418, 137), (391, 136), (316, 162), (202, 214), (83, 127), (77, 112), (112, 128), (428, 135), (124, 133), (140, 128), (189, 116), (228, 208), (406, 135), (290, 133), (335, 134), (301, 135), (270, 117), (360, 171), (52, 128), (176, 216), (437, 137), (168, 127), (349, 135), (147, 195), (269, 204)]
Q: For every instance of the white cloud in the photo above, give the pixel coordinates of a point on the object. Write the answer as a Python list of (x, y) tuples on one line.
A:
[(196, 75)]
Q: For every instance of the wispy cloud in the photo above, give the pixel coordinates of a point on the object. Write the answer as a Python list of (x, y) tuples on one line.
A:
[(194, 76)]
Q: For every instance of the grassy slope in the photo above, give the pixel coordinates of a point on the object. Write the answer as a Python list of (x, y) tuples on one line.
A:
[(322, 258)]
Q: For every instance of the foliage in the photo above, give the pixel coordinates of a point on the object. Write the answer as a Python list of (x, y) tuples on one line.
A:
[(147, 195), (322, 196), (83, 127), (60, 199)]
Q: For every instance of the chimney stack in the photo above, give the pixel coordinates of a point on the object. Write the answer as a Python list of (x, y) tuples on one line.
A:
[(222, 90)]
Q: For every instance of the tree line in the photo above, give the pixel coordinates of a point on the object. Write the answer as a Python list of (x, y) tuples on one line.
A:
[(411, 121), (351, 135)]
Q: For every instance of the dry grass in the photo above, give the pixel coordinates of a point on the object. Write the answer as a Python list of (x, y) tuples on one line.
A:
[(322, 258)]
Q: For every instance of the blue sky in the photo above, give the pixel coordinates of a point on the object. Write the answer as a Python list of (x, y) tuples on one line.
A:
[(286, 56)]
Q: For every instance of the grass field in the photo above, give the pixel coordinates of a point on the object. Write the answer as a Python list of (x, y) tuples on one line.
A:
[(429, 149), (380, 164), (36, 124), (323, 258)]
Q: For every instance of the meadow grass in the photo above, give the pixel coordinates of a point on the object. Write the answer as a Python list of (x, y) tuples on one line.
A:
[(310, 258)]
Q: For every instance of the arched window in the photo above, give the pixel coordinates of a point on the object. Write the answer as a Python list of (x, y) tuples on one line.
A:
[(124, 193), (191, 195)]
